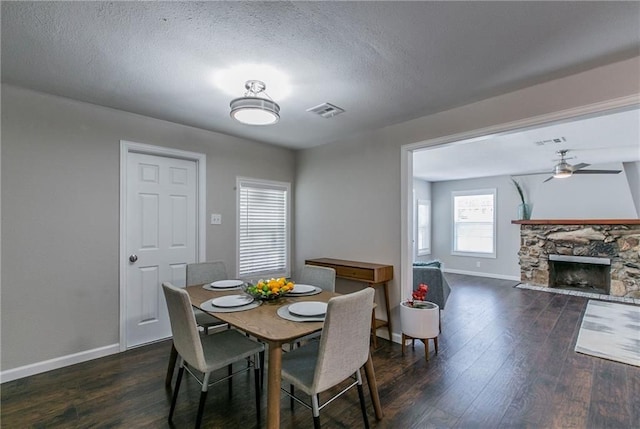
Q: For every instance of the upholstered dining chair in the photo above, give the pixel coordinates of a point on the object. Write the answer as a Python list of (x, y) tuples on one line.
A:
[(342, 350), (199, 273), (206, 353), (322, 277)]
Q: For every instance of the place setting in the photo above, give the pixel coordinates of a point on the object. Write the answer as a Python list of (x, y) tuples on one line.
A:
[(222, 285), (300, 289), (305, 311), (230, 304)]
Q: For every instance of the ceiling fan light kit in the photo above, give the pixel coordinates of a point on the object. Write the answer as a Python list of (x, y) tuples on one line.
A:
[(253, 109), (563, 169)]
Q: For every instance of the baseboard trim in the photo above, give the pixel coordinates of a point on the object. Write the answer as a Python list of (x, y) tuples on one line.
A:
[(480, 274), (59, 362)]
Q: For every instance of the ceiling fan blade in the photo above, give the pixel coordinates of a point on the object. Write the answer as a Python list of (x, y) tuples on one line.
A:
[(530, 174), (550, 177), (597, 172), (579, 166)]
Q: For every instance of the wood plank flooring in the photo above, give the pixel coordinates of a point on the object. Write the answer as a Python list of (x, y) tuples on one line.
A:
[(506, 360)]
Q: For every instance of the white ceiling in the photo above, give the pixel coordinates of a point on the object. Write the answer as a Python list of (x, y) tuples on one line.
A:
[(613, 137), (383, 62)]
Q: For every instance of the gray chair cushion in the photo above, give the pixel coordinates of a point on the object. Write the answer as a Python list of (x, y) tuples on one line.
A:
[(205, 272), (201, 273), (322, 277)]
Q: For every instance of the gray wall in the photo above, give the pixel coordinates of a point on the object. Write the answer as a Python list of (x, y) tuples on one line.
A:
[(60, 199), (599, 196), (60, 215), (508, 235), (348, 192), (580, 197)]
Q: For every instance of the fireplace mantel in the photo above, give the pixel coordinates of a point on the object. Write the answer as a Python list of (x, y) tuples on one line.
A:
[(577, 222)]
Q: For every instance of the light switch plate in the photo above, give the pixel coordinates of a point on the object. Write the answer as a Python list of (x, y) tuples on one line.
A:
[(216, 219)]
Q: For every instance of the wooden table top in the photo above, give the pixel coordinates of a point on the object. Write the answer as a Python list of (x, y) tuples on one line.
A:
[(263, 322)]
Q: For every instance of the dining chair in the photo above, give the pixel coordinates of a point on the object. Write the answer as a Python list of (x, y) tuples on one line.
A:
[(199, 273), (206, 353), (342, 350), (325, 279), (322, 277)]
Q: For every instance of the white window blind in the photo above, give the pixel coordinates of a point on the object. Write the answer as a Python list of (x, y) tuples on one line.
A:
[(263, 228)]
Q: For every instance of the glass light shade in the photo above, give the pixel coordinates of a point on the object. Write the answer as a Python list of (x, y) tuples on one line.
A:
[(562, 172), (255, 111)]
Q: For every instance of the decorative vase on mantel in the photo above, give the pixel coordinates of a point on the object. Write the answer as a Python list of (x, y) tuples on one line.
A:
[(524, 211)]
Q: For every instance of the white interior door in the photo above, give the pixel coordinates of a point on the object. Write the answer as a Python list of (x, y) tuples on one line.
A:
[(161, 238)]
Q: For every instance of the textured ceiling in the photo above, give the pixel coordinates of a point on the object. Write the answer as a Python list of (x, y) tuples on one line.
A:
[(383, 62)]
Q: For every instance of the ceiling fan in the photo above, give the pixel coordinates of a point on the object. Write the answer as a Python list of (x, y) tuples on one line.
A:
[(563, 169)]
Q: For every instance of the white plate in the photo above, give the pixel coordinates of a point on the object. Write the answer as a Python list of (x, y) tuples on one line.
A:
[(308, 308), (284, 313), (300, 288), (232, 301), (226, 284)]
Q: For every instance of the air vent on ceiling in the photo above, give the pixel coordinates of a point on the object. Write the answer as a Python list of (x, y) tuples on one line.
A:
[(326, 110), (551, 141)]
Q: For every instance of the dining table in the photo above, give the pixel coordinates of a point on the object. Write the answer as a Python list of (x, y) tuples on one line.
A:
[(265, 324)]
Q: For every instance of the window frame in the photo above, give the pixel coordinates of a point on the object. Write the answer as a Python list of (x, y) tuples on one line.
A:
[(467, 193), (246, 182), (426, 250)]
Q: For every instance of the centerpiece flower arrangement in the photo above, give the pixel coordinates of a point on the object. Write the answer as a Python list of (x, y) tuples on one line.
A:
[(419, 296), (269, 289)]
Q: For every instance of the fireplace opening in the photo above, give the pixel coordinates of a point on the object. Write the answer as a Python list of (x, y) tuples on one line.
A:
[(581, 273)]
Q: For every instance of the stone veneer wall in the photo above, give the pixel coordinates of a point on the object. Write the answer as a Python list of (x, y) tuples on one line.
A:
[(620, 243)]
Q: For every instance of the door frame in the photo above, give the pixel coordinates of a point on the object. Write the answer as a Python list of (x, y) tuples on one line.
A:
[(406, 166), (127, 147)]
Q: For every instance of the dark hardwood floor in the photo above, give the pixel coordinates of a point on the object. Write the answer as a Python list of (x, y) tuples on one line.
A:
[(506, 360)]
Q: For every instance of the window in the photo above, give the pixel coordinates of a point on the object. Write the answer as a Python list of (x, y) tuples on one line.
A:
[(263, 228), (423, 227), (474, 223)]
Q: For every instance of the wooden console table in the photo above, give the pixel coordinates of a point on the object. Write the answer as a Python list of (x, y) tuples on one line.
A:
[(372, 274)]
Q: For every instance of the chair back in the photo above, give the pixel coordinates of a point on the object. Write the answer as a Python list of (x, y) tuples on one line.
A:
[(205, 272), (322, 277), (344, 344), (186, 338)]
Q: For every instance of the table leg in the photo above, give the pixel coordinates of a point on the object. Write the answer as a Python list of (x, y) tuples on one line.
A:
[(386, 304), (274, 380), (373, 329), (373, 387)]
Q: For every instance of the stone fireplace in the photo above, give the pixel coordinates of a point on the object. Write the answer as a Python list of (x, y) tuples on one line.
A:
[(602, 256)]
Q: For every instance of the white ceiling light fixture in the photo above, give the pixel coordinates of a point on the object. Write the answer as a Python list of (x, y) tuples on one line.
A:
[(252, 109)]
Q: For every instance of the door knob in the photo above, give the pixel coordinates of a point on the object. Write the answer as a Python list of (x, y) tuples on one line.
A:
[(133, 258)]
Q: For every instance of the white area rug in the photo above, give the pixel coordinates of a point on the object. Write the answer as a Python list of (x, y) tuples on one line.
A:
[(611, 331)]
